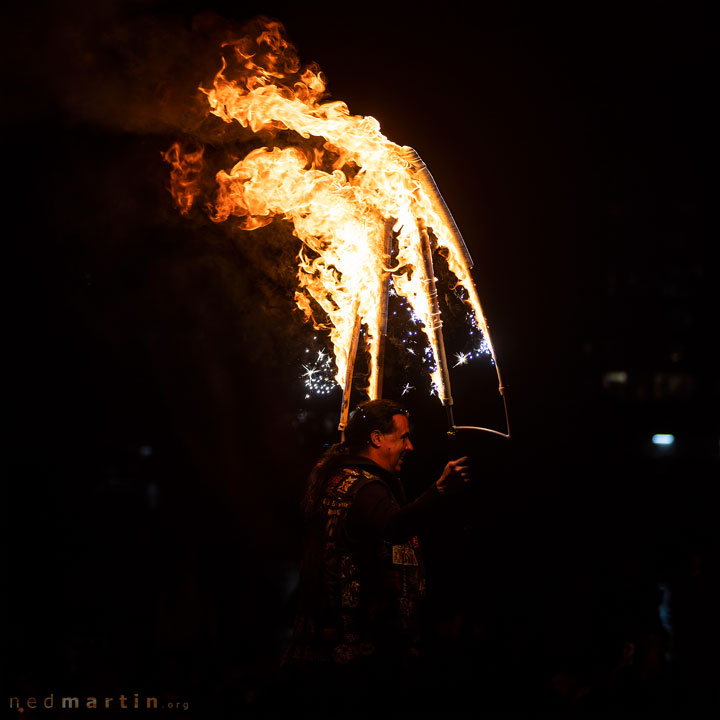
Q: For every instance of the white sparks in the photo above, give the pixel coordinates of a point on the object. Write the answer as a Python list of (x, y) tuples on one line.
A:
[(318, 376), (309, 372), (461, 358), (484, 348)]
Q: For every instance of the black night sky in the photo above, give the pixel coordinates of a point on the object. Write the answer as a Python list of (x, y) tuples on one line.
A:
[(160, 435)]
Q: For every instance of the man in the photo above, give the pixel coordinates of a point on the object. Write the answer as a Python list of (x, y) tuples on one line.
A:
[(362, 579)]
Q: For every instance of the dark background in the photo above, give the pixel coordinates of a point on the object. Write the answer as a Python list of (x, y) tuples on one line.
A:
[(160, 435)]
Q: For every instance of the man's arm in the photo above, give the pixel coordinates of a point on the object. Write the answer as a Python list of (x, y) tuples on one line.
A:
[(375, 514)]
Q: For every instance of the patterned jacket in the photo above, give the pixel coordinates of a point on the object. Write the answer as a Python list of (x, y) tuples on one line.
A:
[(361, 591)]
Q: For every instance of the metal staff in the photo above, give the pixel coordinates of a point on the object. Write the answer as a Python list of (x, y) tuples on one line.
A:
[(382, 309), (436, 325), (352, 353)]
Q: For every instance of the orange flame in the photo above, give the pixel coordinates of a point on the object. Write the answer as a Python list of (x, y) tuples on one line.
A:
[(185, 175), (342, 184)]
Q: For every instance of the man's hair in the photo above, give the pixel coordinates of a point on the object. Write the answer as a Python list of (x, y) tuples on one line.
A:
[(365, 418)]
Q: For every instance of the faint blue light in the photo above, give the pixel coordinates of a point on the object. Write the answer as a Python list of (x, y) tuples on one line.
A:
[(153, 493), (665, 609), (666, 619), (663, 439)]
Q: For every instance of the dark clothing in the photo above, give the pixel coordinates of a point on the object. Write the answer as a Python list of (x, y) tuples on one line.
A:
[(362, 580), (381, 510)]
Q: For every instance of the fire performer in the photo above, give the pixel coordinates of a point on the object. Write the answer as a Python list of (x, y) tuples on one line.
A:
[(357, 629)]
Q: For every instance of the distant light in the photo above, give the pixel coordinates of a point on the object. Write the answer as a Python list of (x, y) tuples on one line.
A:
[(616, 377), (662, 439), (146, 450)]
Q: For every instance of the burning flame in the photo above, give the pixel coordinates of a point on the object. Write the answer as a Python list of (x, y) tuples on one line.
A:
[(343, 185)]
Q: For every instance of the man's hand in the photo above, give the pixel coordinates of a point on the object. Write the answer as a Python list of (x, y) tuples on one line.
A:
[(455, 475)]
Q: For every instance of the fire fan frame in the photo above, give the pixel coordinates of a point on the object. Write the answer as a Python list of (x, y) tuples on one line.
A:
[(428, 184)]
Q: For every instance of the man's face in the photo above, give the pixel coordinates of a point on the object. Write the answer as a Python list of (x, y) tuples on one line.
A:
[(394, 445)]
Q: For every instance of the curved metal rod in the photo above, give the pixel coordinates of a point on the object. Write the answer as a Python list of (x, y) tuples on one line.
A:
[(488, 430), (505, 435), (411, 156)]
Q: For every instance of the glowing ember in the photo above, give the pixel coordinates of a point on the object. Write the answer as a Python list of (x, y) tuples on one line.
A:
[(342, 184)]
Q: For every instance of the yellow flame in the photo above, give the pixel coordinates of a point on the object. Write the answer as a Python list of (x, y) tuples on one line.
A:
[(339, 190)]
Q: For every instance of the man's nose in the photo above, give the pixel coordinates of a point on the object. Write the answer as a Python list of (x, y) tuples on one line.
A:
[(408, 444)]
